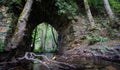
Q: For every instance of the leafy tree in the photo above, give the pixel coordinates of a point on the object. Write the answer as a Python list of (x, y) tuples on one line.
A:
[(115, 4), (68, 7), (96, 6)]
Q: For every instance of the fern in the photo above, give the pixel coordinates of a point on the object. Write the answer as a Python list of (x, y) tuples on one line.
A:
[(68, 7), (115, 4)]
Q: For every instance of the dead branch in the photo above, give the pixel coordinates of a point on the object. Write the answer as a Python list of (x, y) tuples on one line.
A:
[(33, 57)]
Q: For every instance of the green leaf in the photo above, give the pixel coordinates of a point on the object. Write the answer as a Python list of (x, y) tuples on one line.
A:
[(1, 15)]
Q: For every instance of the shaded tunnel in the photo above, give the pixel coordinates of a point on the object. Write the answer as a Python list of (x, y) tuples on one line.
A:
[(44, 11)]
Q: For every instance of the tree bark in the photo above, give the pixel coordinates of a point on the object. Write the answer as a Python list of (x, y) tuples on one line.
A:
[(54, 38), (42, 40), (90, 17), (35, 34), (109, 11), (45, 36), (21, 27)]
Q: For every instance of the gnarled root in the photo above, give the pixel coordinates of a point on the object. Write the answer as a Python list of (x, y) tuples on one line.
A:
[(33, 57)]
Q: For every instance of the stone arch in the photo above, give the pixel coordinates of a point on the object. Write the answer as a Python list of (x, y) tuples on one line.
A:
[(42, 12), (45, 11)]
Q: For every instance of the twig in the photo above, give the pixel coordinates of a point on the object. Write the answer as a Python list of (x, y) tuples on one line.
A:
[(31, 56)]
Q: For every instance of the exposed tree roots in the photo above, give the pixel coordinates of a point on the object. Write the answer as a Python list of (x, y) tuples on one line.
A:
[(33, 57)]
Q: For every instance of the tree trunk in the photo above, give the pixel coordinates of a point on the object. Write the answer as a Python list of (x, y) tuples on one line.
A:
[(90, 17), (109, 11), (20, 42), (53, 37), (35, 34), (45, 36), (21, 27), (41, 40)]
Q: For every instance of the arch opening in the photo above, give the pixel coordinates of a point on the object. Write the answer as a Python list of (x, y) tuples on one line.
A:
[(44, 38)]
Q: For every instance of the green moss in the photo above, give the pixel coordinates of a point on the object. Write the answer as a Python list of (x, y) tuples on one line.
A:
[(2, 47), (1, 15), (93, 39), (21, 15)]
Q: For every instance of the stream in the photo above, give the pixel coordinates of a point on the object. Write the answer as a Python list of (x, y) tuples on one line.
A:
[(80, 64), (89, 64), (37, 66)]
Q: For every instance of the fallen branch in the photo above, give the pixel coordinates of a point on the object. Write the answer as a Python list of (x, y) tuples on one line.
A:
[(33, 57)]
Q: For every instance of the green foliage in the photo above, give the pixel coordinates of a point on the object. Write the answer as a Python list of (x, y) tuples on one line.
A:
[(96, 5), (49, 44), (68, 7), (39, 50), (1, 15), (99, 5), (115, 4), (114, 32), (95, 2), (9, 2), (93, 39), (17, 1), (1, 47)]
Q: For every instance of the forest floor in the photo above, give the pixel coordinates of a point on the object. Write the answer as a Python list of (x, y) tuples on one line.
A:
[(100, 56)]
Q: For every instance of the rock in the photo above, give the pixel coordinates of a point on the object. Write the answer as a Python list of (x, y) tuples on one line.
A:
[(110, 68), (89, 66)]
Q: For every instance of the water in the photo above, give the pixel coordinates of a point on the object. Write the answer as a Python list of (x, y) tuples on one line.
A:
[(37, 66), (88, 64)]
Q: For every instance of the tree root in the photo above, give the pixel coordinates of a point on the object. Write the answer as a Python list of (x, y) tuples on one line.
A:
[(33, 57)]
